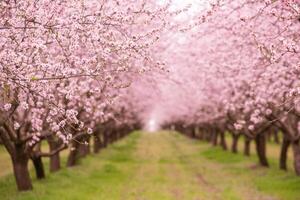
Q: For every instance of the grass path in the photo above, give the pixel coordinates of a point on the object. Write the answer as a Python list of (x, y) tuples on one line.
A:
[(173, 168), (161, 166)]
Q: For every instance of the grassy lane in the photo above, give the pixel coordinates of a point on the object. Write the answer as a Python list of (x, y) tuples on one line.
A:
[(158, 166), (174, 167)]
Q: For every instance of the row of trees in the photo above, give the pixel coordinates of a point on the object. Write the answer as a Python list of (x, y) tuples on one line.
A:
[(238, 73), (65, 69)]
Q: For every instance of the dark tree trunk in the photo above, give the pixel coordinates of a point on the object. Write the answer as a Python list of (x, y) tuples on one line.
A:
[(20, 167), (55, 158), (97, 144), (223, 141), (247, 147), (39, 167), (101, 137), (55, 162), (260, 144), (296, 150), (84, 146), (235, 139), (83, 150), (73, 155), (283, 153)]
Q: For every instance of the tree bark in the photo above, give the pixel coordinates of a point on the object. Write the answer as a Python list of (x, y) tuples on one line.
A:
[(260, 144), (296, 150), (20, 167), (83, 150), (73, 155), (234, 147), (39, 167), (223, 141), (55, 158), (283, 153), (97, 143), (247, 147)]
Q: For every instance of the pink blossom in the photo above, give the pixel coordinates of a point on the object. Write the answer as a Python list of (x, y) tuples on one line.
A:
[(7, 106)]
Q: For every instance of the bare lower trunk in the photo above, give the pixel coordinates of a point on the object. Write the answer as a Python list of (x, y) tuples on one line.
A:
[(97, 144), (83, 150), (55, 162), (247, 147), (260, 143), (283, 153), (20, 167), (234, 147), (39, 167), (296, 151), (223, 141), (73, 155), (55, 158)]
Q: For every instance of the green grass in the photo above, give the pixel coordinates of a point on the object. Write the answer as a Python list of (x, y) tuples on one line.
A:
[(285, 185), (160, 166), (98, 177), (217, 154)]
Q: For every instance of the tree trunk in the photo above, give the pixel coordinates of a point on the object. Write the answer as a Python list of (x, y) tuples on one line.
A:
[(73, 155), (223, 141), (83, 150), (97, 144), (296, 150), (247, 147), (234, 147), (39, 167), (54, 162), (20, 167), (260, 143), (54, 159), (283, 153)]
